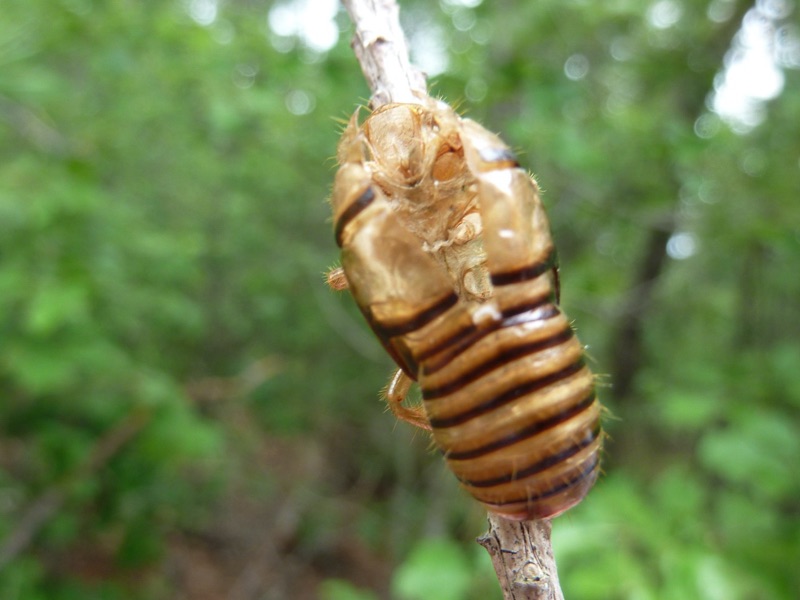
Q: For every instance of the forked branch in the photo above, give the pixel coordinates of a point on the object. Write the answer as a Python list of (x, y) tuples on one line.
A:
[(521, 552)]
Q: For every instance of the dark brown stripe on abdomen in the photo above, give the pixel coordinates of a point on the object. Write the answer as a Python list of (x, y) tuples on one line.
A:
[(420, 319), (465, 337), (508, 396), (499, 360), (525, 273), (555, 490), (359, 204), (539, 466), (527, 432)]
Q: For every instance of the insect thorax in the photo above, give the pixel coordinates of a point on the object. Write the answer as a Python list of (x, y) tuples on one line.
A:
[(416, 157)]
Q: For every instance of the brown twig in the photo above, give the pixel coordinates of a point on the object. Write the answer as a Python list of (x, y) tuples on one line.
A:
[(381, 49), (521, 551), (523, 559)]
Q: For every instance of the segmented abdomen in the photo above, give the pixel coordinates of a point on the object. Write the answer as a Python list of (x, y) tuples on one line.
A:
[(510, 401), (448, 254)]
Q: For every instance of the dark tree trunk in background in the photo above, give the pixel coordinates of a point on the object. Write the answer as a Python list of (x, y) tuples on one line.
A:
[(627, 349)]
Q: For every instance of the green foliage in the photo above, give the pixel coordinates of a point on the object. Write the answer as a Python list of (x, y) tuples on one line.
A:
[(172, 368), (337, 589), (440, 569)]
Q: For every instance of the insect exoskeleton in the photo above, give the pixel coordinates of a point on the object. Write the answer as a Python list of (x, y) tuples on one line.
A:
[(447, 251)]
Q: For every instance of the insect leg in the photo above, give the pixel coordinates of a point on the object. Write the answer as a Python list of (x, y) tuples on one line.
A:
[(336, 279), (516, 232), (396, 392), (397, 285)]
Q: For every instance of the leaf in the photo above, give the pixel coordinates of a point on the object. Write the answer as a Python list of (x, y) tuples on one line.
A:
[(685, 409), (760, 451), (436, 569), (339, 589), (55, 305)]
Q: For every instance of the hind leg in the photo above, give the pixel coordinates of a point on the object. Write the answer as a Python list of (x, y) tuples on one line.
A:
[(396, 393), (400, 383)]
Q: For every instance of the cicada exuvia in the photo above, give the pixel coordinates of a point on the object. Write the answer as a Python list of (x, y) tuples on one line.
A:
[(447, 251)]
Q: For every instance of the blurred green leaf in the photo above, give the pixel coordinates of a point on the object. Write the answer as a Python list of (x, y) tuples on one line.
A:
[(55, 306), (436, 569), (687, 410), (337, 589), (760, 450)]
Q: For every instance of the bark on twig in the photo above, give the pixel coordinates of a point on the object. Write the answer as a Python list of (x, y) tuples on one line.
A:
[(521, 551), (381, 49), (523, 559)]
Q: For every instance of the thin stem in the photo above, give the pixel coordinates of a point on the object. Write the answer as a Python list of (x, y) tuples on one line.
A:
[(521, 551), (523, 559), (381, 49)]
